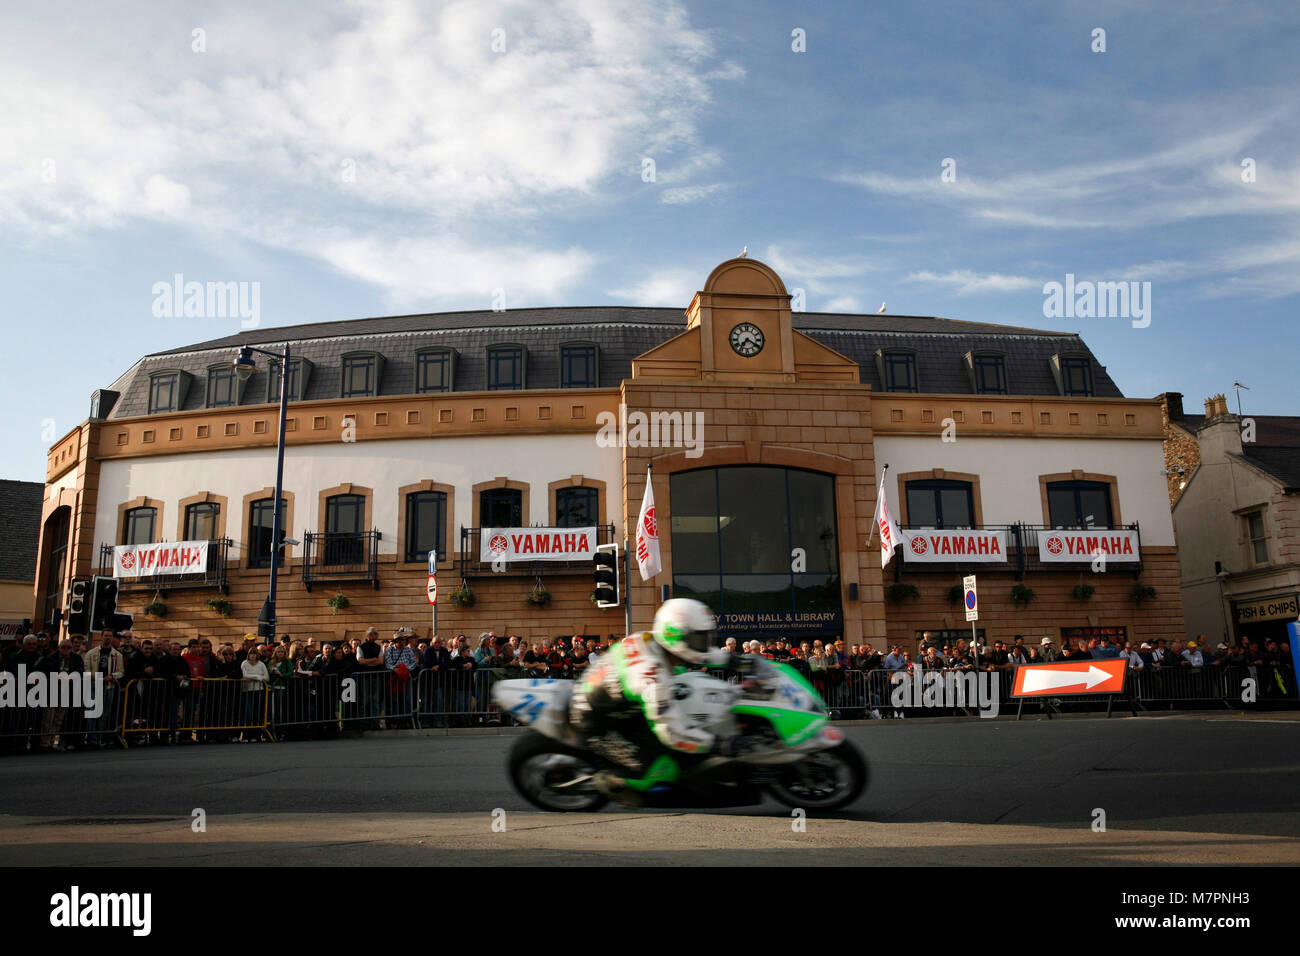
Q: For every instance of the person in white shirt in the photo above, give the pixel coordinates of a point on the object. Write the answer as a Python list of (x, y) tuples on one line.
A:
[(1192, 654), (256, 680)]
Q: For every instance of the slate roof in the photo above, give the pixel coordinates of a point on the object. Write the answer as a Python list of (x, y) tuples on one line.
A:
[(620, 333), (1275, 450), (20, 516)]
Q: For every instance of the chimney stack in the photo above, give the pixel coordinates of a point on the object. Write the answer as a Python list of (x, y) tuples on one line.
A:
[(1220, 434)]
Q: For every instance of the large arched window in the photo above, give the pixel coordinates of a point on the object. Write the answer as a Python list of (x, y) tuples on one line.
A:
[(758, 544), (345, 517), (1079, 504)]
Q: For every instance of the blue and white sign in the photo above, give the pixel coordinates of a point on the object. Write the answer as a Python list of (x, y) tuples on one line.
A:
[(433, 562), (972, 601)]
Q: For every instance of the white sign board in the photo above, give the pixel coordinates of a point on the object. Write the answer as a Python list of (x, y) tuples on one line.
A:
[(1086, 545), (933, 547), (145, 560), (971, 600), (432, 589), (537, 544)]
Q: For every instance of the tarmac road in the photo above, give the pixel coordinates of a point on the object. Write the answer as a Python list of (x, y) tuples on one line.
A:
[(1186, 789)]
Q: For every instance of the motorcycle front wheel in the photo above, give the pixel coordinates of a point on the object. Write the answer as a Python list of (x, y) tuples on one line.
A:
[(826, 780), (550, 775)]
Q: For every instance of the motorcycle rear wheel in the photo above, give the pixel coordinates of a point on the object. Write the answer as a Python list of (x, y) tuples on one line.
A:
[(826, 780), (540, 765)]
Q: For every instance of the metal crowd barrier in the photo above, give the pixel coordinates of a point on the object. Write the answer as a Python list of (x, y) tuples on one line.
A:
[(202, 709), (461, 698)]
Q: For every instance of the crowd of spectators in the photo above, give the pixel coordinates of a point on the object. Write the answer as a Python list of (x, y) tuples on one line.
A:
[(179, 696)]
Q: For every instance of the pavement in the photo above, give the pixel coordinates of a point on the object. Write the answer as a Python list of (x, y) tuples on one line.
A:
[(1183, 789)]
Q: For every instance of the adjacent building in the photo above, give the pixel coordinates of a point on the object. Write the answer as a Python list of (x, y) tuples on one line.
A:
[(1010, 452), (20, 516), (1238, 523)]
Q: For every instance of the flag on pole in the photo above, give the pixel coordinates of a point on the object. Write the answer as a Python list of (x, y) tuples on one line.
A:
[(647, 534), (890, 536)]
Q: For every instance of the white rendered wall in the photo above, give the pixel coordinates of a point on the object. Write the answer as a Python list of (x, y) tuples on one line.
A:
[(1009, 470), (383, 466)]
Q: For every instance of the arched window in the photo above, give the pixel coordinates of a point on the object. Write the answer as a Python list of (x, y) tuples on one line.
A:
[(344, 521), (577, 507), (501, 508), (138, 526), (426, 524), (260, 523)]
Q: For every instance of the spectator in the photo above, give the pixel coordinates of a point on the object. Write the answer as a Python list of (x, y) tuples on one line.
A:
[(224, 704), (1105, 650), (61, 661), (1046, 651), (256, 679), (461, 676), (895, 660), (1192, 656), (437, 663), (108, 661), (370, 675), (176, 669)]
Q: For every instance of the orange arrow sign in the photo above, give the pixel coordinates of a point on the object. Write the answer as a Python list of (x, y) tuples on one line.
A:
[(1069, 677)]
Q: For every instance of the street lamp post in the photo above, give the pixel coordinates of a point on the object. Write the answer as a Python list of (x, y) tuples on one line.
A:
[(244, 367)]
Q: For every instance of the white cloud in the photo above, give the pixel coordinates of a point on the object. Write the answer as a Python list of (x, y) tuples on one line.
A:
[(816, 273), (965, 281), (688, 194), (844, 303), (670, 287), (401, 133)]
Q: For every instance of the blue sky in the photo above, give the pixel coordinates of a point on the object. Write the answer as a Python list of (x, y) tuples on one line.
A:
[(360, 159)]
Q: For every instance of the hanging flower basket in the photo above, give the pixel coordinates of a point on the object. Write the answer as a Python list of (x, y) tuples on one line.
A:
[(1021, 595), (156, 608), (220, 605), (338, 603), (956, 594), (1143, 592), (1083, 592), (898, 593), (462, 596), (539, 596)]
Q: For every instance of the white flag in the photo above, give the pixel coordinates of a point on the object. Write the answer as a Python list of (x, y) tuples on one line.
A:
[(890, 536), (647, 534)]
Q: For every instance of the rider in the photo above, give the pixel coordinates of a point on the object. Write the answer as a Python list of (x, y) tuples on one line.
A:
[(630, 710)]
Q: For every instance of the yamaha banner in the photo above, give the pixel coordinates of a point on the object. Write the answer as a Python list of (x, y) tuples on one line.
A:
[(1057, 546), (144, 560), (934, 547), (537, 544)]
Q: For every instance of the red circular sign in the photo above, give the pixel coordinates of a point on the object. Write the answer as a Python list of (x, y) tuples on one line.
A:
[(128, 560), (918, 545), (1055, 545), (651, 526), (498, 544)]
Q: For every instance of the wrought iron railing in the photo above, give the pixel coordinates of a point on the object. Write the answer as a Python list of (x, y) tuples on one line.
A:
[(213, 576), (470, 564), (341, 556), (1022, 552)]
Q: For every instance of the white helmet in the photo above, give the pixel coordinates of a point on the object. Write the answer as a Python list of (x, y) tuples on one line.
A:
[(686, 629)]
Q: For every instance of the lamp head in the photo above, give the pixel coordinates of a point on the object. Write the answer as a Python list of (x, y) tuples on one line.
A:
[(244, 365)]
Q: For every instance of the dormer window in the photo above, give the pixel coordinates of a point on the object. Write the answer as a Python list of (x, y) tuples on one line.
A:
[(435, 370), (897, 368), (223, 386), (988, 372), (299, 372), (167, 390), (505, 367), (360, 375), (1073, 374), (578, 365)]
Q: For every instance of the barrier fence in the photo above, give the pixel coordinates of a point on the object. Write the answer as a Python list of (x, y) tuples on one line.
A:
[(216, 709)]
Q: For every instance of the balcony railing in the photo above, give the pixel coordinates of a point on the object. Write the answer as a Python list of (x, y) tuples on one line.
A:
[(341, 556), (1022, 553), (213, 576), (470, 565)]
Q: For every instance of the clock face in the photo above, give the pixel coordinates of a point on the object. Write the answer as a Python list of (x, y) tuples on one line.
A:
[(747, 339)]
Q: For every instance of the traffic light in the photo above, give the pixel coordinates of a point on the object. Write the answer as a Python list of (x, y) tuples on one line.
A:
[(103, 602), (79, 606), (607, 591)]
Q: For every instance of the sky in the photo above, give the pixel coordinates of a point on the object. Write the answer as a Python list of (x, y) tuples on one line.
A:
[(353, 159)]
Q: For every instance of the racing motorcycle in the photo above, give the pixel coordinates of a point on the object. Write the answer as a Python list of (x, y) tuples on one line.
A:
[(796, 756)]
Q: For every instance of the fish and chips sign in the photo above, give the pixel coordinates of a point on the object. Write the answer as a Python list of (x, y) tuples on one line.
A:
[(932, 547), (144, 560), (537, 544), (1057, 546)]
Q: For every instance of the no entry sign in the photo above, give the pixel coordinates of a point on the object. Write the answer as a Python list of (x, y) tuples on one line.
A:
[(432, 589)]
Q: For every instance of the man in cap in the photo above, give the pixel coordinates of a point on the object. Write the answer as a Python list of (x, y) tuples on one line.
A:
[(1046, 651)]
